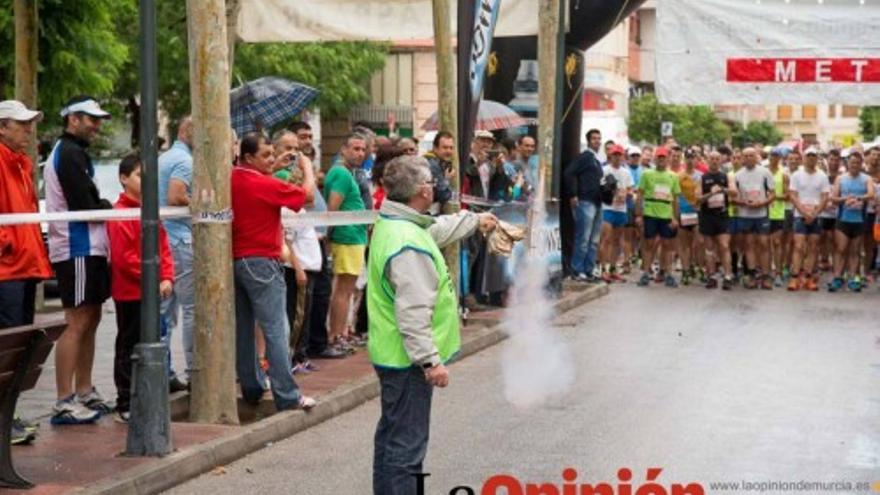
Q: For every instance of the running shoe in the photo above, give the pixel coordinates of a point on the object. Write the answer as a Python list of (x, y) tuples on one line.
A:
[(712, 283), (299, 369), (686, 278), (811, 284), (778, 281), (20, 436), (27, 426), (794, 284), (94, 401), (670, 282), (645, 280), (122, 417), (70, 412), (617, 278), (310, 366), (727, 283), (854, 284), (659, 277), (766, 283), (749, 282), (306, 403), (580, 277), (606, 277), (835, 285)]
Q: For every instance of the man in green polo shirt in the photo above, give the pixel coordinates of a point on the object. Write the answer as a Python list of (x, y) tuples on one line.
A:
[(413, 312), (658, 199)]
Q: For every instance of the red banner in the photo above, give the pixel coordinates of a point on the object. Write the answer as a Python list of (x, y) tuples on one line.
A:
[(803, 70)]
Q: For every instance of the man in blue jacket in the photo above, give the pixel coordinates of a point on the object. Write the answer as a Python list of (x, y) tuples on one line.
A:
[(582, 179)]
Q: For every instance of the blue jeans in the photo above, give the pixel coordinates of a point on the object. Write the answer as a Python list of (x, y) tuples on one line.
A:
[(183, 299), (17, 298), (587, 227), (401, 440), (260, 297)]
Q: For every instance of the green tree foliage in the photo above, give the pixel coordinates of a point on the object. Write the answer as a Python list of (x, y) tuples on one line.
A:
[(691, 124), (91, 46), (756, 132), (79, 50), (869, 123)]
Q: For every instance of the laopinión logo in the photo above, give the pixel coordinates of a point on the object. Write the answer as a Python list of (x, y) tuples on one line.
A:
[(506, 484)]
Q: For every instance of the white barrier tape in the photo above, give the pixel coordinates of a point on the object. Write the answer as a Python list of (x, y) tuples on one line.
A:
[(477, 201), (327, 219), (313, 219), (89, 215)]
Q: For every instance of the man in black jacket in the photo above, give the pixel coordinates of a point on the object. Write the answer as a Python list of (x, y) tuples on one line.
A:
[(582, 179)]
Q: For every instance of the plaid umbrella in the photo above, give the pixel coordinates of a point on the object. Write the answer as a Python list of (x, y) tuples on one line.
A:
[(492, 116), (264, 102)]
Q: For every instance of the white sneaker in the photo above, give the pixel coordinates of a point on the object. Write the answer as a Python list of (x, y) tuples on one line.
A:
[(95, 401), (69, 412), (122, 417), (307, 403)]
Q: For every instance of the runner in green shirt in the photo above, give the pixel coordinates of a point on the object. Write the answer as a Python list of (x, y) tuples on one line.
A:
[(658, 197)]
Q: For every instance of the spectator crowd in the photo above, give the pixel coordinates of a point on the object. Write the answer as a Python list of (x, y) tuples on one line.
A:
[(299, 289)]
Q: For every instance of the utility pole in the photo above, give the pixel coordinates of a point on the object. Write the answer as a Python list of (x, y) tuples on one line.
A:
[(26, 60), (213, 398), (149, 431), (447, 110), (549, 103)]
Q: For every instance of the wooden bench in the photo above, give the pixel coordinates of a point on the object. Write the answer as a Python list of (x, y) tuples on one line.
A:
[(23, 350)]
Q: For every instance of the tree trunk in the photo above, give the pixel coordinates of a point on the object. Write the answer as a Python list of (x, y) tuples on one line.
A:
[(448, 117), (233, 8), (134, 110), (213, 376)]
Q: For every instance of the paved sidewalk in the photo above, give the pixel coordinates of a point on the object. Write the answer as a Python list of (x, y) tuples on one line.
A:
[(88, 459)]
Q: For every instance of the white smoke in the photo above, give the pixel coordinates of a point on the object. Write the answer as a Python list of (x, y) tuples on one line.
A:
[(536, 362)]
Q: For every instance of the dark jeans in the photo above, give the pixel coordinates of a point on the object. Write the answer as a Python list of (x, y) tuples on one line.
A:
[(322, 285), (17, 299), (299, 317), (401, 440), (128, 335)]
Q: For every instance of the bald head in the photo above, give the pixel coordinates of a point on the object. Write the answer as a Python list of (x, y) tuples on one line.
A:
[(185, 130), (750, 157)]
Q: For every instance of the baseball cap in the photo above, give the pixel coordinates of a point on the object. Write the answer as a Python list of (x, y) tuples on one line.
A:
[(87, 106), (812, 150), (633, 150), (483, 134), (616, 149), (15, 110), (661, 151)]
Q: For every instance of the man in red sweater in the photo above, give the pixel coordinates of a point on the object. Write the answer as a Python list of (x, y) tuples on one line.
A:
[(23, 258), (260, 290), (125, 279)]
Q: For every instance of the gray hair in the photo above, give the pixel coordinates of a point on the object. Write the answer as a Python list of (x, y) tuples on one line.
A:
[(279, 135), (404, 175)]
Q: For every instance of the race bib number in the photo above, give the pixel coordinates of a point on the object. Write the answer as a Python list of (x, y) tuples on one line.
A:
[(662, 192), (716, 200), (619, 198), (688, 219)]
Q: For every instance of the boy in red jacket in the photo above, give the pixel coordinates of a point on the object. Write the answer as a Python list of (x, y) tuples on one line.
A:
[(125, 279)]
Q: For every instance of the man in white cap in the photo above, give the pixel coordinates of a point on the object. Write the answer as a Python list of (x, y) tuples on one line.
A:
[(809, 190), (24, 257), (78, 251)]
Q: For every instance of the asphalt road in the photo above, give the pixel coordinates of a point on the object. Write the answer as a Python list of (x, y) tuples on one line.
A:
[(710, 387)]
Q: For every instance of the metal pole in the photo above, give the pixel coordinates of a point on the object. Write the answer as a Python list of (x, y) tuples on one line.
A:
[(448, 116), (213, 398), (149, 432)]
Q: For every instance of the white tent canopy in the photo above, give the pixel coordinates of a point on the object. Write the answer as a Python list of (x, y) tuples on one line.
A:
[(377, 20)]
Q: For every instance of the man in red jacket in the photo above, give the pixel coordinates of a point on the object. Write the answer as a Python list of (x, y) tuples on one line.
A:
[(125, 279), (23, 258)]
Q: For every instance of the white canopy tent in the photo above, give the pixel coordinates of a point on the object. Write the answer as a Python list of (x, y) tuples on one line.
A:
[(377, 20)]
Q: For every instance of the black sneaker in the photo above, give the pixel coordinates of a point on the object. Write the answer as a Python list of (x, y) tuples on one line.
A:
[(712, 283), (727, 283), (175, 385)]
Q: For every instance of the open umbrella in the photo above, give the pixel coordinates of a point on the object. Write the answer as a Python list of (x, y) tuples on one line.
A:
[(264, 102), (491, 117)]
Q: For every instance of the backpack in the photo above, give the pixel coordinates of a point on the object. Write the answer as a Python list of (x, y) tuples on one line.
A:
[(607, 189)]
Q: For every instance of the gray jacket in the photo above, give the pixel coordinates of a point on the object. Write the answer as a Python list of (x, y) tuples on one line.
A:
[(415, 280)]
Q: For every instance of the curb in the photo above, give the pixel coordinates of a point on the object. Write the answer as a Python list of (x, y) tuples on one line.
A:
[(182, 466)]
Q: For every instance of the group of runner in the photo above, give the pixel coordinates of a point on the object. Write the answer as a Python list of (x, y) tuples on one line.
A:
[(773, 217)]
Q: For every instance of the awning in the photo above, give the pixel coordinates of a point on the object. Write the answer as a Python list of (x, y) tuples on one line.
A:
[(377, 20)]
